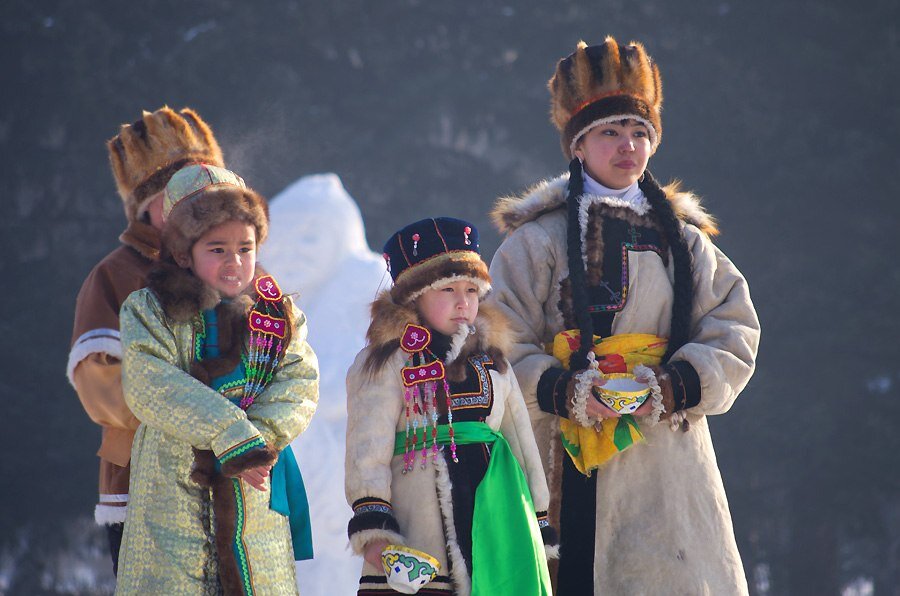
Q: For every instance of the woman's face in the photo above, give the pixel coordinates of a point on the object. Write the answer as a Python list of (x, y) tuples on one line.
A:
[(615, 154)]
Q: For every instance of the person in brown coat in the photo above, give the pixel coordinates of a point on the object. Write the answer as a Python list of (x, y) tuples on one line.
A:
[(144, 156)]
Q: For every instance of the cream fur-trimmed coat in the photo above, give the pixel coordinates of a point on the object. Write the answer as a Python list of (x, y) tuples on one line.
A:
[(421, 499), (662, 520)]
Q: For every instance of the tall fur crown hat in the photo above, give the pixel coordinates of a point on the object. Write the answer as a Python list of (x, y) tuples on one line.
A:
[(146, 153), (605, 83), (432, 252), (199, 197)]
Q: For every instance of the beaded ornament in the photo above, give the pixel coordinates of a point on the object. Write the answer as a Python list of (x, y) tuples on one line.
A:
[(268, 328), (421, 374)]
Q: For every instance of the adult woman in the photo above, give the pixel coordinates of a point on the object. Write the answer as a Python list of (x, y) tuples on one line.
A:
[(627, 270)]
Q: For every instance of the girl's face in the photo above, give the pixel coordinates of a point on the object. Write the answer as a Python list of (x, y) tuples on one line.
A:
[(225, 257), (615, 154), (447, 307)]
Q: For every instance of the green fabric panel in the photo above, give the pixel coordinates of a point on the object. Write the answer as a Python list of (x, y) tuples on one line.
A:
[(507, 550)]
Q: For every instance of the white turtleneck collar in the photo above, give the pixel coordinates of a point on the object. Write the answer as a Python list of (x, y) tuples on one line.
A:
[(631, 197)]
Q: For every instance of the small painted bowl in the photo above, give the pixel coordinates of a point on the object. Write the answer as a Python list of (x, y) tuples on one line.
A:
[(408, 569), (622, 392)]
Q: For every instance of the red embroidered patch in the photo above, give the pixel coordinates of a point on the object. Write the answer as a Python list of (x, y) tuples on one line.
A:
[(268, 289), (415, 338), (267, 325), (413, 375)]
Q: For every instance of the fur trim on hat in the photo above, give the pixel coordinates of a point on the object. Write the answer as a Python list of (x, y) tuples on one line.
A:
[(440, 270), (192, 218), (601, 83), (146, 153), (512, 212), (389, 321)]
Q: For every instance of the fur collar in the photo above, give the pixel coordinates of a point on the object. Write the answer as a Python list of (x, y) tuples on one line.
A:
[(491, 335), (143, 238), (183, 295), (511, 212)]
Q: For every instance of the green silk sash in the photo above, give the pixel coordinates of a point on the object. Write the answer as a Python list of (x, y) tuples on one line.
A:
[(507, 550)]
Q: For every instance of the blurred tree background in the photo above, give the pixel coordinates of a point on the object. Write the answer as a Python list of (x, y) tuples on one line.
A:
[(783, 115)]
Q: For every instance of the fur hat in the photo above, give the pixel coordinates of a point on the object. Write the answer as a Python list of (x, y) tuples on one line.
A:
[(605, 83), (430, 253), (145, 154), (201, 196)]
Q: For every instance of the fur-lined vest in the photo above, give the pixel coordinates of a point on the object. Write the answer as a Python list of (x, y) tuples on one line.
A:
[(170, 544), (430, 509), (662, 523)]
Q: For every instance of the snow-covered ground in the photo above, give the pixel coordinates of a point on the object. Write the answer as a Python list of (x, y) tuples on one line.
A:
[(317, 248)]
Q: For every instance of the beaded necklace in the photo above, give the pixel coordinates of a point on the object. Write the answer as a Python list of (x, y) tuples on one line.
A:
[(268, 327), (421, 374)]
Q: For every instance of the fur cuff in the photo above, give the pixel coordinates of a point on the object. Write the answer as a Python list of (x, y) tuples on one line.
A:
[(203, 468), (108, 515), (258, 456), (644, 372), (678, 420), (549, 536), (359, 540), (370, 513), (584, 383), (106, 341)]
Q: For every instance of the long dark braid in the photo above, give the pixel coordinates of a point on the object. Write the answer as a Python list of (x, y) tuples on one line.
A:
[(575, 189), (682, 305)]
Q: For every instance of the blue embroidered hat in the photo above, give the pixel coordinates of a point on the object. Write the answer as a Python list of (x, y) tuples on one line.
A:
[(432, 252)]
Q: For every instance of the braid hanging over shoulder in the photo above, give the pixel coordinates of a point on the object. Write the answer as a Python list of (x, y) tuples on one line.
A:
[(577, 272), (682, 305)]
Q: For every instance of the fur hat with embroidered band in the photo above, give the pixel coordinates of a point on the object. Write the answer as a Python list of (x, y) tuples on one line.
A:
[(201, 196), (433, 252), (146, 153), (605, 83)]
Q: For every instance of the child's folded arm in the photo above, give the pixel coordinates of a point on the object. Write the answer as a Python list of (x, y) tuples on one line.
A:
[(374, 405), (287, 405), (165, 397)]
